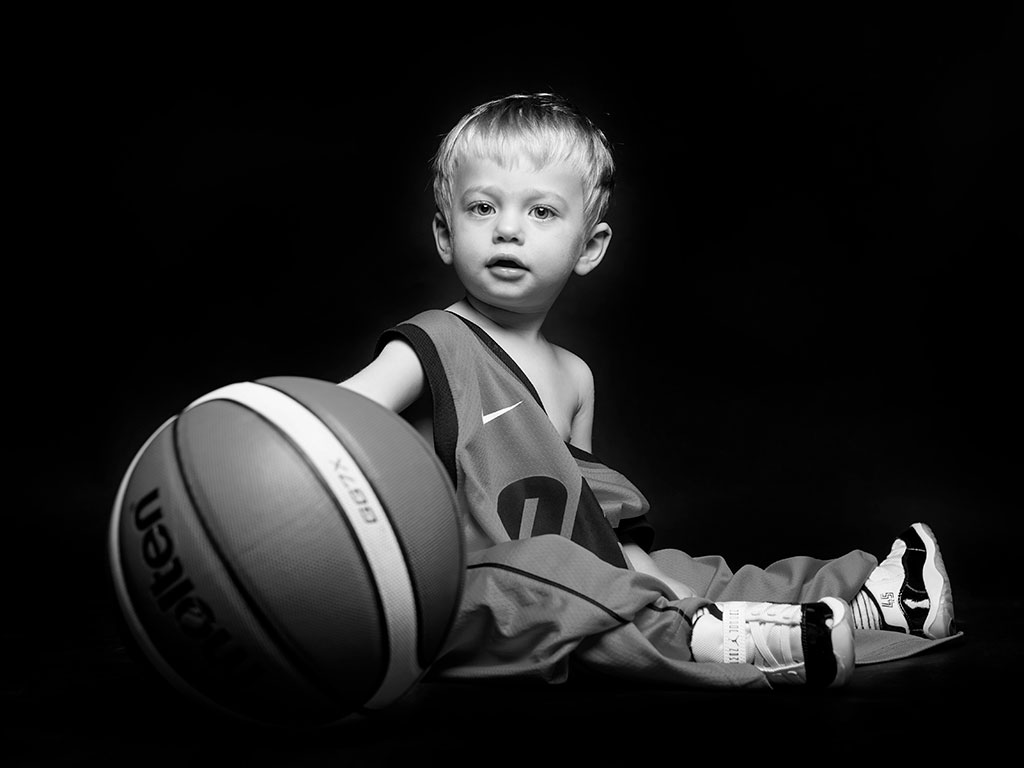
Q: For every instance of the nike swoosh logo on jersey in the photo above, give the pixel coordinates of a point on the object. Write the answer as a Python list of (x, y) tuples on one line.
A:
[(492, 416)]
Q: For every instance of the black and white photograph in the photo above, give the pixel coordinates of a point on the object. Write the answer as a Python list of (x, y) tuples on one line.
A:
[(519, 391)]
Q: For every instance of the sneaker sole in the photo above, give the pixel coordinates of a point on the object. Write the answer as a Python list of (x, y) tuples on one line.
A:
[(843, 648), (938, 622)]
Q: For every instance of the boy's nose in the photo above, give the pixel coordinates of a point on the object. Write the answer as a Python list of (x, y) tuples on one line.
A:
[(507, 228)]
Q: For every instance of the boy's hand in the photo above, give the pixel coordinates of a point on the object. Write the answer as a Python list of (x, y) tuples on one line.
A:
[(642, 563)]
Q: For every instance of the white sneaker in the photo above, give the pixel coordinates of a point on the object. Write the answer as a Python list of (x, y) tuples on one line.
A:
[(803, 644), (911, 588)]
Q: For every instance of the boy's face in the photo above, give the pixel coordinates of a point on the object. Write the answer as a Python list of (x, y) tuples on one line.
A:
[(516, 234)]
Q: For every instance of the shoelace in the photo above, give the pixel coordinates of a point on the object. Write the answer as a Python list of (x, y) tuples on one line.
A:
[(771, 627)]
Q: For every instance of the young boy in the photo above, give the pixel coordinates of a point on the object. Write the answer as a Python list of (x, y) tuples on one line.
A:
[(559, 566)]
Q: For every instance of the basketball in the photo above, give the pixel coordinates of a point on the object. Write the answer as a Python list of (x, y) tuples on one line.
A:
[(287, 551)]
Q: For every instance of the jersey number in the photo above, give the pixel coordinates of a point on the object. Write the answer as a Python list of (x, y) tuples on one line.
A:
[(536, 505), (532, 506)]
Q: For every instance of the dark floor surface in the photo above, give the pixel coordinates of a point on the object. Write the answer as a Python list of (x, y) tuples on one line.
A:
[(90, 703)]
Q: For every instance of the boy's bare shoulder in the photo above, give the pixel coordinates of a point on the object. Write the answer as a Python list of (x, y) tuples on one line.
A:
[(576, 368)]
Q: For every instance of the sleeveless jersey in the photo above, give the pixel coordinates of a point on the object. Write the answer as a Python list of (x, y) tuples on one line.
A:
[(514, 476)]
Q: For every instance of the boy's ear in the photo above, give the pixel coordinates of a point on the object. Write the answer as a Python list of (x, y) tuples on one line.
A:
[(442, 238), (594, 249)]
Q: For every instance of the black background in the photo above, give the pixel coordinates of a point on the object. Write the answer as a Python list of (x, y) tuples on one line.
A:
[(804, 334)]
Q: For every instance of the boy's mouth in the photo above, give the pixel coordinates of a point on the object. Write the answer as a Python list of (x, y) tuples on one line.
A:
[(504, 261), (506, 268)]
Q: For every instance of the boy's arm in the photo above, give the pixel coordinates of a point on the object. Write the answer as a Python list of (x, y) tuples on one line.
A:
[(582, 428), (394, 379)]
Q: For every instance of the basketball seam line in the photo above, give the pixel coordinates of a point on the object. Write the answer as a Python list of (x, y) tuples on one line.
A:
[(382, 619), (417, 599), (292, 654), (378, 602), (400, 648)]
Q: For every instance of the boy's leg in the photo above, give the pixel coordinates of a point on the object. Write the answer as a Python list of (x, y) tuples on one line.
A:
[(791, 580), (909, 591), (529, 606), (735, 643)]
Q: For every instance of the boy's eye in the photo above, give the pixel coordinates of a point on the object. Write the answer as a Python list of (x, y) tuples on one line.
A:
[(543, 212), (482, 209)]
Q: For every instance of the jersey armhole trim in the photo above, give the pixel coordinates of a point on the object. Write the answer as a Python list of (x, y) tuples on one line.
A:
[(445, 417)]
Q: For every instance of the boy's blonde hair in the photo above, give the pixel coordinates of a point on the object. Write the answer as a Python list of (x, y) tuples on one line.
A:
[(543, 126)]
